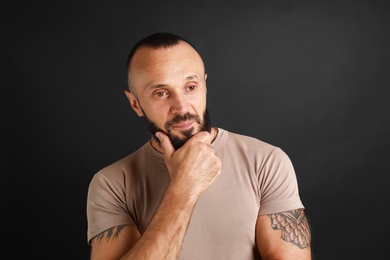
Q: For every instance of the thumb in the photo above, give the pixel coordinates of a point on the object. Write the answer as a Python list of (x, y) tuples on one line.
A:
[(166, 145)]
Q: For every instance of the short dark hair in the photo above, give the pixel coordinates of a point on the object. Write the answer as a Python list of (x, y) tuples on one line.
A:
[(156, 41)]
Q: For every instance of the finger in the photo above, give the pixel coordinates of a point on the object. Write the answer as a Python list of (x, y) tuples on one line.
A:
[(166, 144), (203, 137)]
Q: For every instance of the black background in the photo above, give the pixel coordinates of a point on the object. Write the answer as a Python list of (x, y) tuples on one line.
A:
[(311, 77)]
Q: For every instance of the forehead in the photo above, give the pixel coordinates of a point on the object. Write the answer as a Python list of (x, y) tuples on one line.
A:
[(152, 64)]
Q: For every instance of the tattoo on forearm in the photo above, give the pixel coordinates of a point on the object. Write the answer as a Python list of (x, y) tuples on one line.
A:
[(110, 233), (294, 225)]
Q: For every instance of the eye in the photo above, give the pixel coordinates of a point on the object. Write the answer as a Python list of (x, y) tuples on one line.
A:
[(191, 88), (160, 94)]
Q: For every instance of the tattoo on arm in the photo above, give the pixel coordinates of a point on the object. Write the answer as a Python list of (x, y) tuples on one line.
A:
[(111, 233), (294, 225)]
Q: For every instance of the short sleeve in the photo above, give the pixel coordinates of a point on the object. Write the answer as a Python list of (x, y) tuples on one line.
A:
[(106, 204), (278, 184)]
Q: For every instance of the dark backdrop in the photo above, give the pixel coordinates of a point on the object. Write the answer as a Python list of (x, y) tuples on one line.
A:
[(309, 76)]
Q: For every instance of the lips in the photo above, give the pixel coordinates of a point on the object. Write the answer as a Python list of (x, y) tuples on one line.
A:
[(183, 125)]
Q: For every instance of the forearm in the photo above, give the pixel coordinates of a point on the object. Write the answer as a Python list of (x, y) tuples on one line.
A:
[(164, 236)]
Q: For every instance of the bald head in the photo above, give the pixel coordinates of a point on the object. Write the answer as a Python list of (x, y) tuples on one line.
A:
[(146, 46)]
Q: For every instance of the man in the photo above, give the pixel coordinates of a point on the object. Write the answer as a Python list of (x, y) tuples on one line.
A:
[(193, 191)]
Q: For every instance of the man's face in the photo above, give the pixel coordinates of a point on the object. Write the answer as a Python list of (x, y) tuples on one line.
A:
[(170, 91)]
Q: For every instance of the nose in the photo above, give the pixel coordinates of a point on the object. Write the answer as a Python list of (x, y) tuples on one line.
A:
[(179, 104)]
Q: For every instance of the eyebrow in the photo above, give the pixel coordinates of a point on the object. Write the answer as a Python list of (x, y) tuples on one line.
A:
[(191, 77)]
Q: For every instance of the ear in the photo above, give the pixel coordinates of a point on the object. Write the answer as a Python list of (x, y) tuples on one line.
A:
[(134, 103), (205, 78)]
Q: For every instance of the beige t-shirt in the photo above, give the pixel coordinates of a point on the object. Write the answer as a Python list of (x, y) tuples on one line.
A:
[(257, 179)]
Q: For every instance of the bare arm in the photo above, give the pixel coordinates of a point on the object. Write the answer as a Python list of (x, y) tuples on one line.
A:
[(114, 242), (284, 235), (192, 169)]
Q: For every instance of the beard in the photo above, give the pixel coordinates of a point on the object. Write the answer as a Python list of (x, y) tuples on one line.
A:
[(177, 141)]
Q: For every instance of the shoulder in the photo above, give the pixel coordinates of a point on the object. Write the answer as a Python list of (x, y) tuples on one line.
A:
[(119, 170), (258, 150), (250, 143)]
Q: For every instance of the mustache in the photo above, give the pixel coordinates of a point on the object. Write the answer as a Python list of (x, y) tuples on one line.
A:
[(179, 118)]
